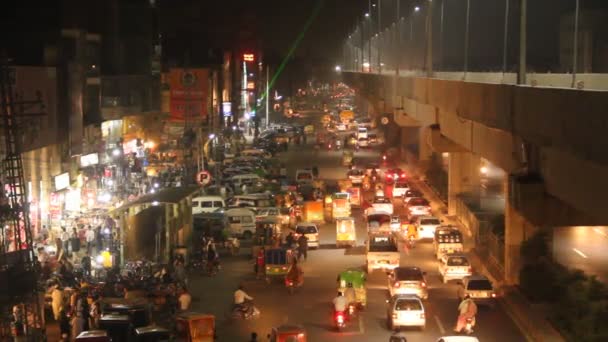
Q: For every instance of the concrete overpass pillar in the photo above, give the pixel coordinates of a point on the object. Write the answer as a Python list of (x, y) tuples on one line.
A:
[(463, 177), (424, 145), (517, 230), (409, 140)]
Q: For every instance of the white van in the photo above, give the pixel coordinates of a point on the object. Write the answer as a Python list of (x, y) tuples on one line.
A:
[(207, 204), (251, 201), (361, 133), (249, 178), (240, 222)]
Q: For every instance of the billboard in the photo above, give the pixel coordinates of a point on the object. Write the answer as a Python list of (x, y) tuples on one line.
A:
[(189, 93)]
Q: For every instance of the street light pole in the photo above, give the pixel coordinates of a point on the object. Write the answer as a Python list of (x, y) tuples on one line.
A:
[(575, 45), (441, 36), (369, 42), (505, 39), (267, 94), (379, 37), (429, 40), (466, 40), (521, 77)]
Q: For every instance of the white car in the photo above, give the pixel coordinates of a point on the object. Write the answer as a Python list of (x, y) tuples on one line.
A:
[(426, 226), (409, 194), (341, 127), (454, 267), (356, 176), (458, 339), (311, 232), (363, 142), (383, 205), (361, 132), (405, 311), (418, 207), (408, 280), (400, 188)]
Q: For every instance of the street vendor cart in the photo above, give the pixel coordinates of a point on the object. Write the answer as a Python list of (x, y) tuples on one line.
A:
[(195, 327)]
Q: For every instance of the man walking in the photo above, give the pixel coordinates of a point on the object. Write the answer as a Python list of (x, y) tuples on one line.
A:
[(89, 237)]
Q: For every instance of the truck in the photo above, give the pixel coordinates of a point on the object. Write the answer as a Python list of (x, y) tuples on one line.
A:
[(347, 116), (340, 205), (381, 252)]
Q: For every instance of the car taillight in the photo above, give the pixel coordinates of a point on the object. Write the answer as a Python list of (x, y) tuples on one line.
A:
[(397, 284), (340, 318), (422, 315), (423, 284), (493, 295), (389, 176), (395, 315), (470, 269), (284, 268)]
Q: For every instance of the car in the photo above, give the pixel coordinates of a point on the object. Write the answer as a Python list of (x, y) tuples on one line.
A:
[(309, 230), (405, 311), (282, 214), (400, 188), (458, 339), (394, 174), (426, 226), (408, 280), (395, 223), (363, 142), (370, 167), (454, 267), (383, 204), (409, 194), (304, 176), (355, 176), (479, 288), (341, 127), (418, 206), (373, 138)]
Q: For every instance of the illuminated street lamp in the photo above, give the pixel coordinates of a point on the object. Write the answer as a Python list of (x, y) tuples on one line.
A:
[(338, 68), (417, 9)]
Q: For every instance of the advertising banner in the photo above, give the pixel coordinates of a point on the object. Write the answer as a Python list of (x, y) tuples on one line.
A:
[(189, 93)]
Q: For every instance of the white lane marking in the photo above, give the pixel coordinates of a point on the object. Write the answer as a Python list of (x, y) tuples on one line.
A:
[(579, 253), (440, 325), (599, 231), (361, 326)]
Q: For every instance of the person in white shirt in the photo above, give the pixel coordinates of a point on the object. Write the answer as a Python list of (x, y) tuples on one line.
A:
[(240, 296), (89, 237), (65, 239), (340, 303)]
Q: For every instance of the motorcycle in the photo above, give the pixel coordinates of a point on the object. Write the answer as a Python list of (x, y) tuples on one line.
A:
[(340, 320), (352, 309), (411, 241), (244, 311)]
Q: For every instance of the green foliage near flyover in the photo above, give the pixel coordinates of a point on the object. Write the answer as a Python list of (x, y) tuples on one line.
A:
[(578, 304)]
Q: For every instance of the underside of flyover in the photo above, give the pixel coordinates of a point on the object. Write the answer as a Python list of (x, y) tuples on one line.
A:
[(491, 170)]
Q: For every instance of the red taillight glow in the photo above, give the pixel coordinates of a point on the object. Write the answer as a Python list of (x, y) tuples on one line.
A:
[(397, 284), (470, 269), (493, 295), (340, 318), (423, 284), (422, 315)]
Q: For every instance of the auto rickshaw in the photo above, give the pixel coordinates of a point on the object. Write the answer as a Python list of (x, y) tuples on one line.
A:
[(152, 333), (265, 230), (347, 158), (357, 278), (288, 333), (345, 232), (195, 327), (93, 336), (278, 261)]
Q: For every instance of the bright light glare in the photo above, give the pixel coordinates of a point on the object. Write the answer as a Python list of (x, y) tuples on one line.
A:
[(155, 203), (115, 152), (417, 8), (483, 170), (366, 65), (367, 15), (211, 136), (338, 68)]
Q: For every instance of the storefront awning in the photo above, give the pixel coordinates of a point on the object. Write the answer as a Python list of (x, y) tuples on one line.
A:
[(169, 195)]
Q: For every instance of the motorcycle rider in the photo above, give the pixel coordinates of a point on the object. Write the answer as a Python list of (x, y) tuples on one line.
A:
[(340, 303), (349, 294), (467, 310), (295, 274), (240, 300)]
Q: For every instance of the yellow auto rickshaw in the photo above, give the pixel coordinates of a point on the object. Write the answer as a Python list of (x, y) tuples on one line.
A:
[(288, 333), (347, 158), (278, 262), (195, 327), (345, 232)]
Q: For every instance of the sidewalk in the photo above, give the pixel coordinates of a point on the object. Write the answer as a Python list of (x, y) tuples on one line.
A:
[(531, 322)]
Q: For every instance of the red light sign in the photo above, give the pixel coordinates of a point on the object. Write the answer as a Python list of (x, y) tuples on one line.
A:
[(248, 57)]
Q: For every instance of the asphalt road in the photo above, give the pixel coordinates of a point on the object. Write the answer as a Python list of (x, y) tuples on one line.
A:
[(311, 304), (584, 248)]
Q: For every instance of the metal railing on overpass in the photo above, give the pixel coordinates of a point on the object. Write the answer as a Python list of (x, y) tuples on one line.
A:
[(556, 43)]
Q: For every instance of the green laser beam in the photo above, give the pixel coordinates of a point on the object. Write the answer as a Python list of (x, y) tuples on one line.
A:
[(293, 48)]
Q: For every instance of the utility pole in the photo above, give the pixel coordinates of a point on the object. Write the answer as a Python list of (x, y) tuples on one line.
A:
[(379, 37), (575, 44), (521, 75), (429, 40)]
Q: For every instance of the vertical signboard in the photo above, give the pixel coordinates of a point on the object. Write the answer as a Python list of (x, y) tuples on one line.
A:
[(189, 94)]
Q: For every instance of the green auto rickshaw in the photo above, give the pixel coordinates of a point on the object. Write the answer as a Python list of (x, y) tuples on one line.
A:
[(357, 278)]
